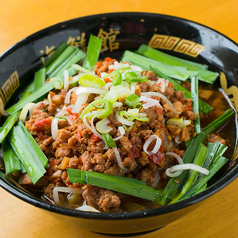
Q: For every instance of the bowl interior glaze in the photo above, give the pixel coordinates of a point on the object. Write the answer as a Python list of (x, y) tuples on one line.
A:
[(120, 32)]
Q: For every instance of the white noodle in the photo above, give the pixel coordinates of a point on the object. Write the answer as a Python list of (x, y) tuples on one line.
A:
[(80, 100), (123, 121), (56, 191), (86, 208), (170, 171), (68, 94), (176, 156), (54, 128), (90, 90), (118, 157), (122, 131), (163, 84)]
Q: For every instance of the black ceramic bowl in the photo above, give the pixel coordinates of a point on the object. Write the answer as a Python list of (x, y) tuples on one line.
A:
[(122, 31)]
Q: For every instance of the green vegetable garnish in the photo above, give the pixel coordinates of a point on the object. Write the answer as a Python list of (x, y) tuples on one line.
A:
[(88, 80), (117, 78), (104, 108), (108, 140)]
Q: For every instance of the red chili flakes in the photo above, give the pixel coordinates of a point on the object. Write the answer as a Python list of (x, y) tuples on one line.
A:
[(94, 138), (79, 135), (39, 124), (108, 59), (189, 106)]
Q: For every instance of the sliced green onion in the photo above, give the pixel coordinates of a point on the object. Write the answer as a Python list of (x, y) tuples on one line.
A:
[(108, 140), (132, 100), (114, 183), (122, 91), (93, 51), (111, 95), (104, 110), (180, 122), (138, 105), (135, 76), (114, 72), (99, 105), (88, 80), (102, 126), (138, 116), (57, 82), (11, 161), (126, 115), (117, 78)]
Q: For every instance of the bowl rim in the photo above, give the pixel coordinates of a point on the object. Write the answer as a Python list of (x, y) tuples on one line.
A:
[(227, 179)]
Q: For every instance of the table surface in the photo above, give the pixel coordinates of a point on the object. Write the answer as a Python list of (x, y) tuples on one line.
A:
[(218, 215)]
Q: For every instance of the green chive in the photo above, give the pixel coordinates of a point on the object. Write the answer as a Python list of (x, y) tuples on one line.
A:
[(93, 51), (192, 174), (213, 169), (59, 60), (194, 97), (29, 140), (7, 125), (203, 107), (31, 98), (39, 81), (32, 164), (11, 161), (114, 183), (203, 74), (180, 73), (55, 54)]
